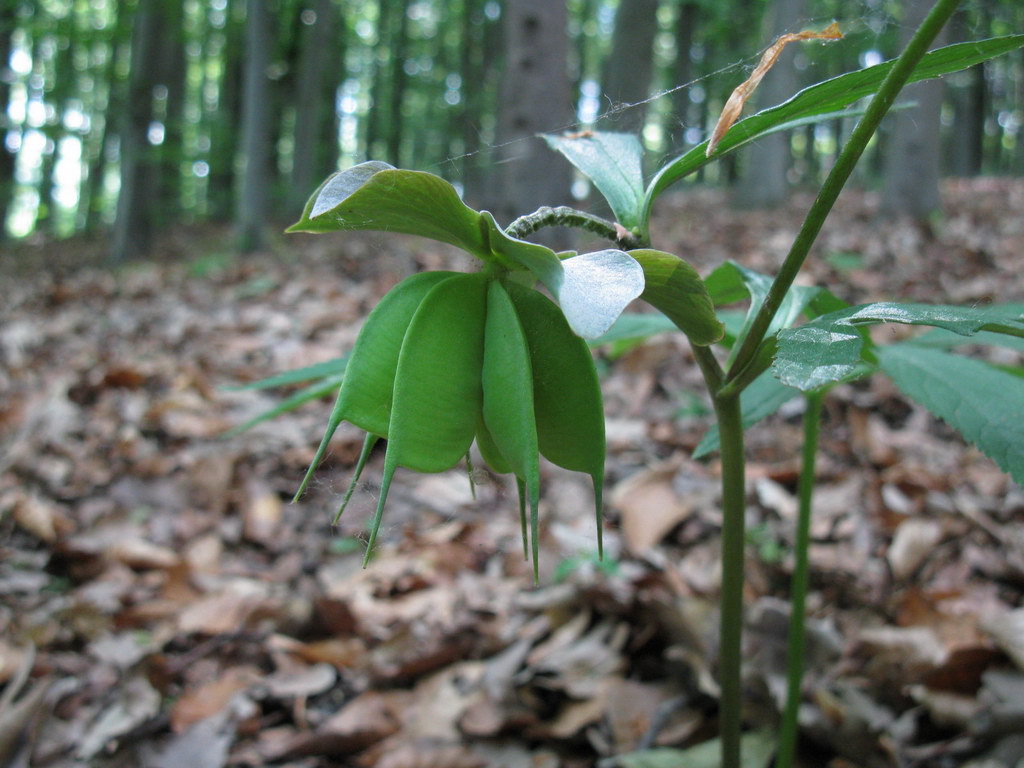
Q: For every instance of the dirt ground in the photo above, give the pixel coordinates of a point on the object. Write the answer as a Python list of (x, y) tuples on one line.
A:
[(164, 605)]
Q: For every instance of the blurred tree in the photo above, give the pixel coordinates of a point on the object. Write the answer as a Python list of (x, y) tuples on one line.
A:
[(253, 195), (315, 149), (967, 96), (8, 21), (687, 19), (226, 46), (535, 97), (912, 155), (133, 225), (627, 72), (764, 182)]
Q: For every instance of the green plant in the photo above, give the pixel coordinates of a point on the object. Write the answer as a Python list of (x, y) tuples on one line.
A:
[(446, 358)]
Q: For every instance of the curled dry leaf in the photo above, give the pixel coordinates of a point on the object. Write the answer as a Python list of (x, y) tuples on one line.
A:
[(734, 106)]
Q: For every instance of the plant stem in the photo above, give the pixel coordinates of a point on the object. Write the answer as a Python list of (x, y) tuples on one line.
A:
[(838, 176), (564, 216), (798, 587), (730, 711)]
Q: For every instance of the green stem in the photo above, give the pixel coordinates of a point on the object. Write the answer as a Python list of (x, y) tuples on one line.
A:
[(798, 588), (564, 216), (838, 176), (730, 712)]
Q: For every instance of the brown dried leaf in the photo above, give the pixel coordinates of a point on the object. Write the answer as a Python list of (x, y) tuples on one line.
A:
[(261, 517), (649, 505), (210, 698), (734, 106)]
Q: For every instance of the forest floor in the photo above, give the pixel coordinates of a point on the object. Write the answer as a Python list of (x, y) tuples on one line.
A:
[(164, 605)]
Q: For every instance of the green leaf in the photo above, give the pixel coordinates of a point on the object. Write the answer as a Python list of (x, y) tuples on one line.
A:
[(316, 371), (732, 282), (941, 339), (437, 395), (674, 287), (761, 399), (631, 330), (566, 393), (312, 392), (982, 402), (758, 748), (508, 410), (829, 348), (366, 396), (377, 197), (614, 162), (829, 96)]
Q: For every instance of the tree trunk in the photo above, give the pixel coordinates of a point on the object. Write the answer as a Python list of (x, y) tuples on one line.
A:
[(253, 197), (399, 78), (764, 183), (170, 62), (687, 19), (912, 159), (132, 228), (535, 97), (627, 74), (8, 20), (220, 190), (316, 54), (967, 95)]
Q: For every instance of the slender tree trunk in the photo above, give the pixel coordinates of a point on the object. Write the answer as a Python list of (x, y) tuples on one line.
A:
[(170, 63), (627, 76), (399, 79), (253, 197), (225, 121), (535, 97), (8, 20), (913, 152), (687, 19), (967, 95), (764, 183), (132, 228), (315, 55)]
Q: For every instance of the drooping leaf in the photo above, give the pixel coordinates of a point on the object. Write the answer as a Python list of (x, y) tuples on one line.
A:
[(328, 368), (566, 393), (489, 450), (437, 392), (761, 399), (829, 347), (365, 397), (508, 410), (368, 444), (614, 162), (980, 401), (674, 287), (829, 96)]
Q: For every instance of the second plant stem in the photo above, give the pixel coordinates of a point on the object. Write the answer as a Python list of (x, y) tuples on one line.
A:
[(730, 430), (798, 586)]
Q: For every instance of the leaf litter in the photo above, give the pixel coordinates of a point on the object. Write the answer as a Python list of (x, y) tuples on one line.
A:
[(164, 605)]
